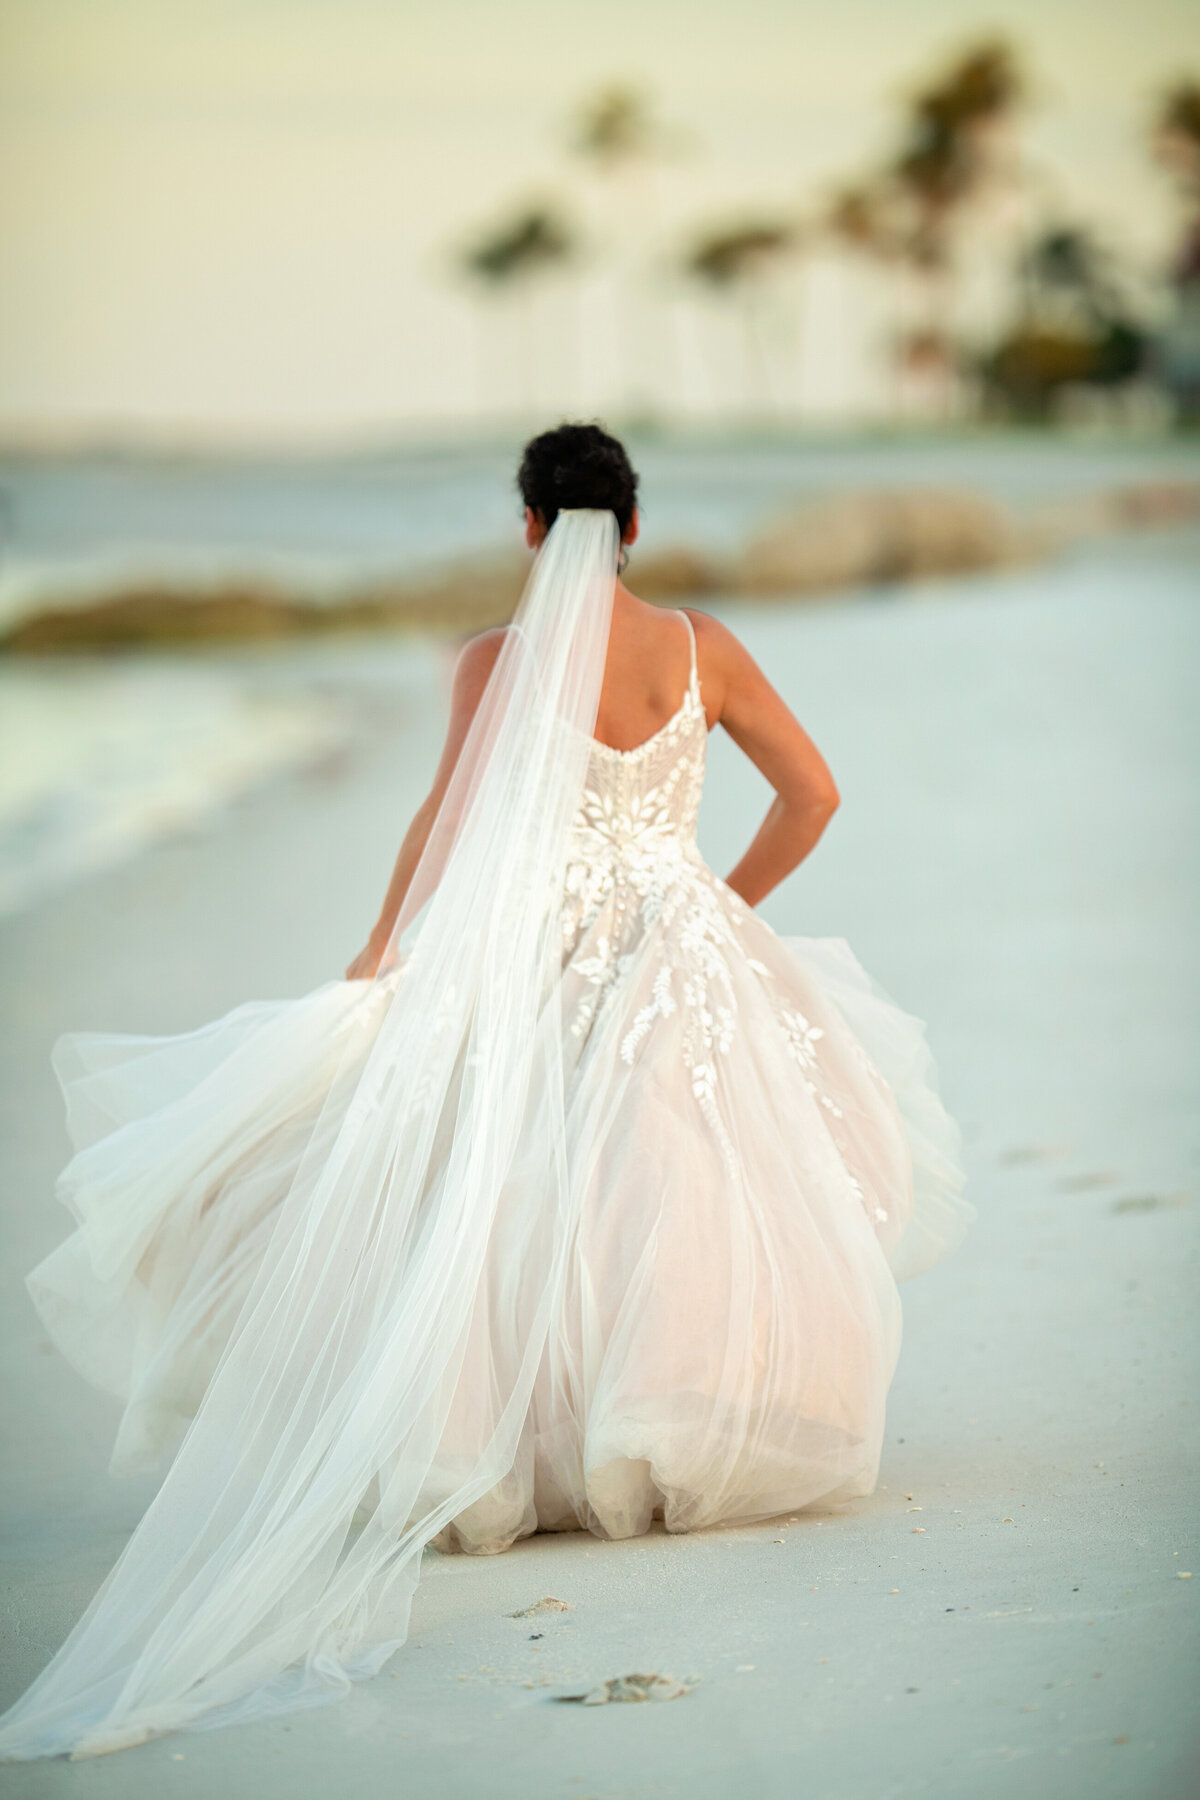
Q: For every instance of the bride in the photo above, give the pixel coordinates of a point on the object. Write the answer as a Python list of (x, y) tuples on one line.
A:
[(580, 1203)]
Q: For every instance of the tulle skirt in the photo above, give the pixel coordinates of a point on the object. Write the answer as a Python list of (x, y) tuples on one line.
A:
[(751, 1179)]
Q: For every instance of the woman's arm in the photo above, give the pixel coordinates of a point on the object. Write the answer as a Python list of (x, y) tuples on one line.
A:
[(471, 674), (738, 695)]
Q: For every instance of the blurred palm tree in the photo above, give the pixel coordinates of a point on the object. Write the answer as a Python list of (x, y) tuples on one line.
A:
[(909, 214), (1176, 134), (740, 263), (620, 136), (1175, 142), (1075, 329), (509, 263), (949, 153), (533, 240), (743, 253), (858, 216), (619, 126), (947, 163)]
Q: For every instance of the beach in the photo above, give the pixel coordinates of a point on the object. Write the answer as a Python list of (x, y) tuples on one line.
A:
[(1015, 860), (177, 630)]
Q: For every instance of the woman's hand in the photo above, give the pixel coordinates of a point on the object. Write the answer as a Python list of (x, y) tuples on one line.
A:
[(365, 966)]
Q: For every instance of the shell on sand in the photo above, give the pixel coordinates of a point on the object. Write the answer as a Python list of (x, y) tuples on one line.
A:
[(540, 1607), (632, 1688)]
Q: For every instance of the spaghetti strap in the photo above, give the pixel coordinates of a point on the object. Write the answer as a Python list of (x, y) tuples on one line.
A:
[(691, 630)]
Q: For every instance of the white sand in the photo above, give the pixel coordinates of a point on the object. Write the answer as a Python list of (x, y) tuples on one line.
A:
[(1015, 859)]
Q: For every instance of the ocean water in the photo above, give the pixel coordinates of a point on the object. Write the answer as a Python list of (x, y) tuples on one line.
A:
[(71, 524), (101, 756)]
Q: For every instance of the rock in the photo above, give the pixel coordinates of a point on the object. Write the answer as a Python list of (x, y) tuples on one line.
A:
[(1138, 506), (675, 573), (848, 540), (1157, 503)]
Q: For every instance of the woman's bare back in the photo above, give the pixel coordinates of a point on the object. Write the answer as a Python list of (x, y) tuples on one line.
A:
[(646, 672)]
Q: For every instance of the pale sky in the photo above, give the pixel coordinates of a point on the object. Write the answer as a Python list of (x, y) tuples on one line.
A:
[(235, 217)]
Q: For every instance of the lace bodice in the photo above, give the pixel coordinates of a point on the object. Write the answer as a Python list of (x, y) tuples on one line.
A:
[(635, 865), (636, 822)]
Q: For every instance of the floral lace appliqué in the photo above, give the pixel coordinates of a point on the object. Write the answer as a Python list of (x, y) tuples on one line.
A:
[(634, 864)]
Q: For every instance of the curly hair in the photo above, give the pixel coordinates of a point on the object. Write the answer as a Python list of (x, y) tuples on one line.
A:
[(577, 465)]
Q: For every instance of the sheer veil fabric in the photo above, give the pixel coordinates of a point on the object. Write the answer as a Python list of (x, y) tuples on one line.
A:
[(425, 1231)]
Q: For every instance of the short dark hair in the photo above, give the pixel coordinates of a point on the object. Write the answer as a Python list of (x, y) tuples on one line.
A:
[(578, 465)]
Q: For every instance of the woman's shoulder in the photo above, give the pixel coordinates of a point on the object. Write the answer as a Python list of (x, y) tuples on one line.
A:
[(716, 645), (476, 660)]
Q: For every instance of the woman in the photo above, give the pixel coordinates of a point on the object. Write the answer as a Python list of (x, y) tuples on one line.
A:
[(581, 1201)]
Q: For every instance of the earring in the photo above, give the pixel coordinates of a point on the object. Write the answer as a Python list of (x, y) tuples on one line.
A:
[(622, 560)]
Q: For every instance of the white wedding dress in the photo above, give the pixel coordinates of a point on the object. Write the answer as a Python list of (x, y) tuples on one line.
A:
[(771, 1157), (589, 1208)]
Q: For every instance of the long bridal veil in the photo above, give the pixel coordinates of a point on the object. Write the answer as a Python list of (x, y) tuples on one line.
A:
[(423, 1239)]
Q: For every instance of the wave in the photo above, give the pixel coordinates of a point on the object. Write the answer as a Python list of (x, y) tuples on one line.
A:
[(98, 760)]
